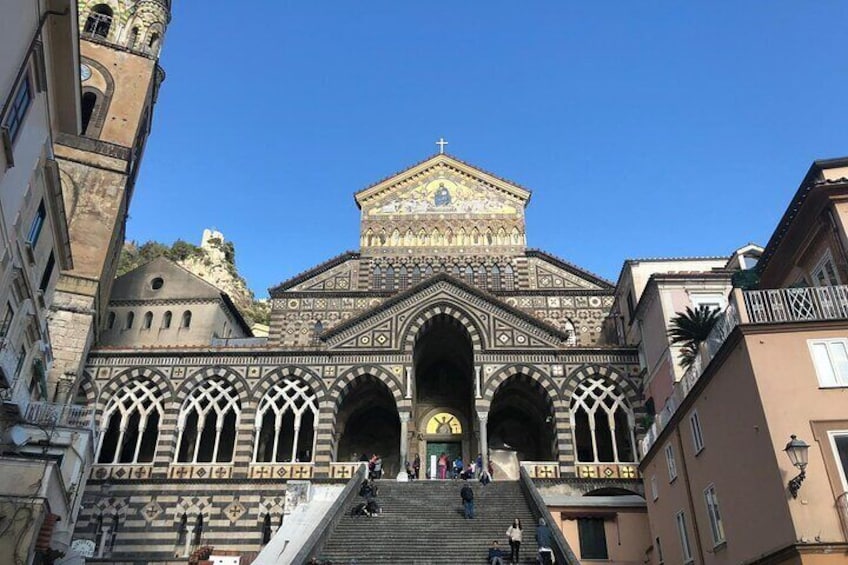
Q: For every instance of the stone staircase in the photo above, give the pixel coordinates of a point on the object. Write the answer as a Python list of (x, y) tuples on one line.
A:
[(423, 523)]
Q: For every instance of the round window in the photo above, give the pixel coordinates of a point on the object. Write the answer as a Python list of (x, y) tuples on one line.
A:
[(156, 283)]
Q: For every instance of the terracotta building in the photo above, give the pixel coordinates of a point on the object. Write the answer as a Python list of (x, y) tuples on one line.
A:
[(727, 474)]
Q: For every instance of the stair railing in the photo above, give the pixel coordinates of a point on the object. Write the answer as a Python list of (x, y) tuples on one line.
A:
[(562, 551), (322, 531)]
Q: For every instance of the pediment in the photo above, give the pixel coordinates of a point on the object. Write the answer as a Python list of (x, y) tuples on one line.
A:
[(443, 186), (547, 272), (335, 275), (391, 326)]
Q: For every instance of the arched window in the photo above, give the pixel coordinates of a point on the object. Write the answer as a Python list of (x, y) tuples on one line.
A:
[(428, 272), (285, 423), (166, 320), (469, 274), (508, 278), (110, 324), (131, 424), (182, 535), (133, 38), (130, 320), (207, 423), (602, 423), (266, 529), (198, 530), (403, 277), (153, 42), (186, 323), (416, 275), (568, 328), (377, 277), (89, 102), (390, 278), (99, 21), (480, 279), (148, 321), (496, 278)]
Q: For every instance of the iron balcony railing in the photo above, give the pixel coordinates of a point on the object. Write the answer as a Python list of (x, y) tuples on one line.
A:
[(59, 415), (777, 305)]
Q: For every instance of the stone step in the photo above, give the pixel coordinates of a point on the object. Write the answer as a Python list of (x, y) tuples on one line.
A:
[(423, 523)]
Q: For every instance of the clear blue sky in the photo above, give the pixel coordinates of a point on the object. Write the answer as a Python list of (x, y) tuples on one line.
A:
[(643, 128)]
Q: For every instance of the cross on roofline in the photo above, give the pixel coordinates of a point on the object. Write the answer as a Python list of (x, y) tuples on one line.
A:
[(441, 143)]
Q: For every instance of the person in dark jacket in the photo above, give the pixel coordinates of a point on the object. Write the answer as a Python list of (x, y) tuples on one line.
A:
[(544, 540), (496, 555), (467, 495)]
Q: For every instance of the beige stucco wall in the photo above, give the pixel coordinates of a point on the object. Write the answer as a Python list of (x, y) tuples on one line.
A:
[(738, 459), (792, 398), (627, 534), (207, 321)]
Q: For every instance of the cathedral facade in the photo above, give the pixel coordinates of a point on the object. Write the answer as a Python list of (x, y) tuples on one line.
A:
[(444, 333)]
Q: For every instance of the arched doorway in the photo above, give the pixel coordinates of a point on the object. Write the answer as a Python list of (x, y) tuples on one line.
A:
[(368, 423), (443, 358), (521, 418)]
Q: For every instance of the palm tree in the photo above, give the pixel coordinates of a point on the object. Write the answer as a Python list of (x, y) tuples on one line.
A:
[(689, 329)]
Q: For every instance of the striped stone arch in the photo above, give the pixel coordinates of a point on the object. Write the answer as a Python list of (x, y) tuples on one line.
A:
[(409, 333), (310, 378), (542, 380), (213, 372), (135, 373), (326, 441), (621, 381), (86, 387), (344, 382)]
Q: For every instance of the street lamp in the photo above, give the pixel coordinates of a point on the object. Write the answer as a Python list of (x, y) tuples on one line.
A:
[(796, 450)]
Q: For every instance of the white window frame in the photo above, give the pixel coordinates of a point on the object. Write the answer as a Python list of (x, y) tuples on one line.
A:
[(140, 396), (217, 395), (282, 398), (822, 373), (831, 434), (706, 298), (670, 462), (590, 396), (697, 432), (655, 494), (826, 257), (714, 512), (683, 535)]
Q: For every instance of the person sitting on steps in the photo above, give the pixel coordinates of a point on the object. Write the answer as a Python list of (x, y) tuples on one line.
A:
[(496, 555)]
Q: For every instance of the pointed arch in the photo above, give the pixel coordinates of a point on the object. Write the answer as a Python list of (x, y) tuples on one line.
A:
[(129, 429), (472, 325), (285, 422), (208, 422), (122, 379), (603, 422)]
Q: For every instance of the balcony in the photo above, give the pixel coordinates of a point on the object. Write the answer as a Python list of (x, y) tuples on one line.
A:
[(768, 306), (806, 304), (59, 415)]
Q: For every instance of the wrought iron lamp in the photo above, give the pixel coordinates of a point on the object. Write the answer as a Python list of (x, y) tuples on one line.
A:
[(796, 450)]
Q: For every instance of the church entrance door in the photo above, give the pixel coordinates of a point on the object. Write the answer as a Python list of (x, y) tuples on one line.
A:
[(452, 449), (443, 399)]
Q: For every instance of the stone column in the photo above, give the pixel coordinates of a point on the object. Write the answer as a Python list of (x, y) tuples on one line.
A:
[(64, 386), (409, 376), (404, 445), (477, 391), (483, 417)]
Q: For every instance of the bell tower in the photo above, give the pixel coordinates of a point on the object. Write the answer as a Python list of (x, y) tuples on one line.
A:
[(120, 42)]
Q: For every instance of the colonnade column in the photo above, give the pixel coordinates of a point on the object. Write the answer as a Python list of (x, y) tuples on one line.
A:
[(483, 417), (404, 441)]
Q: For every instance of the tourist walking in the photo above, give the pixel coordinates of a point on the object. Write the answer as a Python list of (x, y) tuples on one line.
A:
[(514, 534), (457, 467), (478, 466), (467, 495), (543, 540), (443, 466), (416, 466)]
